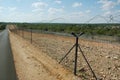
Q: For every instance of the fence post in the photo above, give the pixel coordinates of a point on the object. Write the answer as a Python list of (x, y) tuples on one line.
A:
[(76, 56), (16, 29), (23, 32), (31, 34)]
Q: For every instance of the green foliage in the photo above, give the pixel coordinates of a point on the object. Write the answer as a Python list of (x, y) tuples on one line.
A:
[(2, 26), (92, 29)]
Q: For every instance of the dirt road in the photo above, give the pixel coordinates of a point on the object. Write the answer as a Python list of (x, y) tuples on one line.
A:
[(7, 69)]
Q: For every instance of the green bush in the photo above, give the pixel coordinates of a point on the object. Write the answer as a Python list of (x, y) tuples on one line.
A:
[(2, 26)]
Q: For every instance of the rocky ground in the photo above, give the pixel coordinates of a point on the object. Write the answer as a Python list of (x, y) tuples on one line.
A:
[(104, 58), (33, 64)]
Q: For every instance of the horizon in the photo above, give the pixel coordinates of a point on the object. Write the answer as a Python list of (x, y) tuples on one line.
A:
[(52, 23)]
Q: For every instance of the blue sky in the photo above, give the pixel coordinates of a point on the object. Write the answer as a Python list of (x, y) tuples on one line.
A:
[(68, 11)]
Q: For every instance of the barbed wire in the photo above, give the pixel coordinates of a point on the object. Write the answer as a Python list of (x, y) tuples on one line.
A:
[(110, 19), (107, 19), (59, 18), (97, 16)]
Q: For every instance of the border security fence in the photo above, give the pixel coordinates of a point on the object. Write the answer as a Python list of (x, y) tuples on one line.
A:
[(29, 35)]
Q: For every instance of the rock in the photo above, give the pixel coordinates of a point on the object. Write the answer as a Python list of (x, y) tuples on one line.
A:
[(109, 68), (119, 68), (115, 58), (82, 70), (101, 72), (79, 52), (114, 77), (100, 79), (107, 56), (104, 76)]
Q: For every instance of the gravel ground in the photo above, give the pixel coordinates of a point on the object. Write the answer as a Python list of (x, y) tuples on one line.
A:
[(104, 58), (33, 64)]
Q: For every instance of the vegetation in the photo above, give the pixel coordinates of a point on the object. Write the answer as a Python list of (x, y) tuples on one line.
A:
[(2, 26), (90, 29)]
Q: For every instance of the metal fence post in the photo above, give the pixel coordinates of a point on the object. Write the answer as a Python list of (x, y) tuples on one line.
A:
[(31, 35), (76, 55), (23, 32)]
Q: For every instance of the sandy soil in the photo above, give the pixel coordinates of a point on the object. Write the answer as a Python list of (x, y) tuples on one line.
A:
[(104, 58), (33, 64)]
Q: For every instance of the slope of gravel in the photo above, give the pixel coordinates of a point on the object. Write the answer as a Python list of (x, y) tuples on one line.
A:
[(32, 64), (103, 57)]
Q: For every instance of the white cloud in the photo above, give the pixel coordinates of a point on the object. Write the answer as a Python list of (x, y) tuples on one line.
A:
[(109, 9), (55, 10), (107, 13), (88, 11), (58, 1), (113, 16), (37, 10), (22, 17), (77, 4), (107, 4), (12, 8), (118, 2), (77, 14), (39, 6), (1, 9), (118, 11), (77, 17)]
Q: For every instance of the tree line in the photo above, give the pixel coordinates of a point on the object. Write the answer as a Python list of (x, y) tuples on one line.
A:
[(90, 29)]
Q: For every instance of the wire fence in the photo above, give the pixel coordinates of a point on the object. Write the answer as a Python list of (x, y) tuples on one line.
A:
[(102, 52)]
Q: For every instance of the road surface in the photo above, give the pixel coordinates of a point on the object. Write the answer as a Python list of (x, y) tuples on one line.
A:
[(7, 68)]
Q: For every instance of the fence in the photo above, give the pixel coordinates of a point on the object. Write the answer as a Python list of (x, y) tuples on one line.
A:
[(102, 54)]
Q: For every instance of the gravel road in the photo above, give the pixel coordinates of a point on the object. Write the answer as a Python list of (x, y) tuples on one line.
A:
[(7, 69)]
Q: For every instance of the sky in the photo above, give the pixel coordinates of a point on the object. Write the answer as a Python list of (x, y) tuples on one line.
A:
[(60, 11)]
